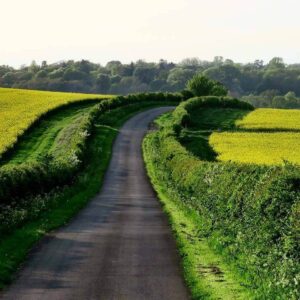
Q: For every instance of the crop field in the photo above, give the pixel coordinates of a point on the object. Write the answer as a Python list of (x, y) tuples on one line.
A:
[(272, 119), (264, 136), (257, 147), (20, 108)]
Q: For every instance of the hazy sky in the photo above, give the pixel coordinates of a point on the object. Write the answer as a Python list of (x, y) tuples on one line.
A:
[(127, 30)]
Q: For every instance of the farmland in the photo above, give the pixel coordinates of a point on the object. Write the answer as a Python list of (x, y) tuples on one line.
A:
[(257, 147), (19, 109), (232, 202), (271, 119), (264, 136)]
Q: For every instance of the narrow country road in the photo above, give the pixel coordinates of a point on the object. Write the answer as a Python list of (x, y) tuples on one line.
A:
[(119, 247)]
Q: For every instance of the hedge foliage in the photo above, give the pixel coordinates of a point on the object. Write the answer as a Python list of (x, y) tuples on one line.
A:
[(19, 181), (249, 213)]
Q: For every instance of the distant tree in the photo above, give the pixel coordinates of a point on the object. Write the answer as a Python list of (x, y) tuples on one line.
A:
[(115, 79), (290, 96), (41, 74), (73, 74), (34, 67), (114, 67), (178, 77), (8, 78), (44, 64), (255, 82), (276, 62), (103, 83), (145, 73), (218, 61), (219, 89), (200, 85)]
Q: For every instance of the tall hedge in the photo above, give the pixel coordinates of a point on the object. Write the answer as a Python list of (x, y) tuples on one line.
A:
[(249, 213)]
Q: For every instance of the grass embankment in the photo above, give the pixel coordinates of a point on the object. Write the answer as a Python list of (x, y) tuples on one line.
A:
[(246, 216), (51, 134), (206, 273), (20, 109), (32, 218)]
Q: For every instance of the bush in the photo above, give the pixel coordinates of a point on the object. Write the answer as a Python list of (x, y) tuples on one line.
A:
[(200, 85)]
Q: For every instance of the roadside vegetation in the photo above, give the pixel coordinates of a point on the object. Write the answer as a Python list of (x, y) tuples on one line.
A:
[(236, 224), (26, 217), (246, 215)]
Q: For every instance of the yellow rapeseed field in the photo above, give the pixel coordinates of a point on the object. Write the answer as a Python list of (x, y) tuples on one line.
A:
[(20, 108), (268, 118), (257, 147), (260, 146)]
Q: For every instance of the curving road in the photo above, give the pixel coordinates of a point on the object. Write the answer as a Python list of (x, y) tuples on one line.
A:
[(119, 247)]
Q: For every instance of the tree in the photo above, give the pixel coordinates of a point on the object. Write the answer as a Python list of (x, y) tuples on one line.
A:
[(276, 63), (290, 96), (200, 85), (178, 77), (103, 83), (41, 74), (73, 74), (219, 89), (145, 73)]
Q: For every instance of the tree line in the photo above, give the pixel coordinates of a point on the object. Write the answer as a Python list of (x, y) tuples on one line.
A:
[(272, 84)]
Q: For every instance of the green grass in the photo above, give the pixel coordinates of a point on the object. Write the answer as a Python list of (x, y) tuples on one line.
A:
[(51, 211), (216, 118), (20, 109), (203, 122), (49, 136)]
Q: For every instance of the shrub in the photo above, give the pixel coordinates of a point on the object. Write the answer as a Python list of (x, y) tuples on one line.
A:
[(200, 85)]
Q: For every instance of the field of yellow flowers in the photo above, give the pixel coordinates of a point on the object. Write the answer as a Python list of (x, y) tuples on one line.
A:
[(19, 109), (273, 138), (272, 119), (257, 147)]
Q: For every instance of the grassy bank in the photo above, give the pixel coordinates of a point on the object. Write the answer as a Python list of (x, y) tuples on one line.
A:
[(206, 273)]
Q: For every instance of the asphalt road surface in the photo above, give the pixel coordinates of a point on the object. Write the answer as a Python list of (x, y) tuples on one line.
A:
[(119, 247)]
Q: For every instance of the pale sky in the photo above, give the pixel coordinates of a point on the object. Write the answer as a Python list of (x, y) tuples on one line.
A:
[(128, 30)]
